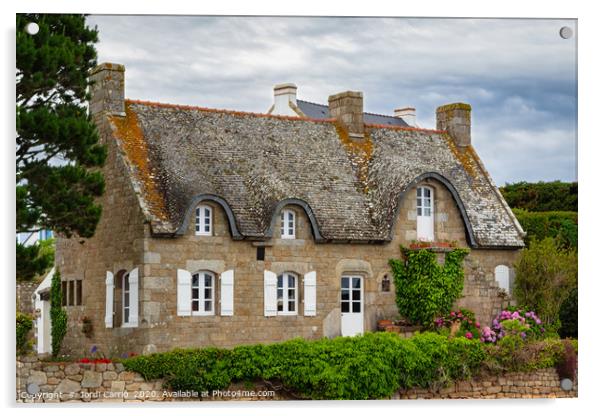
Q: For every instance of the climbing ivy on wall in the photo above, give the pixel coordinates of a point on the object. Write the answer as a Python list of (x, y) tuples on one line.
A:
[(424, 288), (58, 316)]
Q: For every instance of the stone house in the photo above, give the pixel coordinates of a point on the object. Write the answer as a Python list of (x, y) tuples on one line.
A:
[(223, 227)]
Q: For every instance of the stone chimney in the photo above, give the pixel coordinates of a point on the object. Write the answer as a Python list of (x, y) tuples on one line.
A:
[(107, 90), (407, 114), (348, 108), (455, 119), (284, 96)]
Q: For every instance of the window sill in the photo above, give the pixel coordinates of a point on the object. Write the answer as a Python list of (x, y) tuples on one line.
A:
[(203, 314), (128, 325), (287, 314)]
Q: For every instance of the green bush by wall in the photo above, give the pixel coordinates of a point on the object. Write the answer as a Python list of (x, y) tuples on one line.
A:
[(370, 366), (425, 289), (24, 325)]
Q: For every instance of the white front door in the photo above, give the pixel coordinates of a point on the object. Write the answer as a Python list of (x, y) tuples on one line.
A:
[(352, 306), (425, 224)]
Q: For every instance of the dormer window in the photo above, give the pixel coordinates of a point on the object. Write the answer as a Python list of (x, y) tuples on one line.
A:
[(287, 224), (204, 220)]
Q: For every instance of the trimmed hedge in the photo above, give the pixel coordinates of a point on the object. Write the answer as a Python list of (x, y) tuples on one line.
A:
[(371, 366), (560, 225)]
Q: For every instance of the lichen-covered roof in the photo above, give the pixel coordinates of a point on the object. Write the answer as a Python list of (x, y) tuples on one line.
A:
[(255, 161)]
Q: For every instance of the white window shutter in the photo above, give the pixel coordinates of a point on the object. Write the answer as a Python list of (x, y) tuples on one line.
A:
[(309, 294), (110, 287), (184, 292), (227, 293), (269, 293), (133, 298)]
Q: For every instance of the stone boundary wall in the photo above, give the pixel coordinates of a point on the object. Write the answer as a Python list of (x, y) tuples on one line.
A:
[(538, 384), (53, 382)]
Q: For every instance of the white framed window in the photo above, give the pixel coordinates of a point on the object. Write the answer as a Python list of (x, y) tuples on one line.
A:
[(286, 294), (287, 224), (204, 220), (502, 277), (125, 298), (202, 293), (425, 216)]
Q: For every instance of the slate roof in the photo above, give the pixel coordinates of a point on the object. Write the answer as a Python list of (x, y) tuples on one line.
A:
[(320, 111), (252, 162)]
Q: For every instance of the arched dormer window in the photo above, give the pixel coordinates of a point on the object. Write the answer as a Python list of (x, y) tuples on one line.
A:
[(204, 220), (287, 224), (425, 215)]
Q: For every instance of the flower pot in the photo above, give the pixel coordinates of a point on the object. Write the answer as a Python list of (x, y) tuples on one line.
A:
[(393, 328), (383, 323)]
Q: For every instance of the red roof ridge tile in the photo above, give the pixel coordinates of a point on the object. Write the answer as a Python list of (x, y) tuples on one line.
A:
[(386, 126), (225, 111)]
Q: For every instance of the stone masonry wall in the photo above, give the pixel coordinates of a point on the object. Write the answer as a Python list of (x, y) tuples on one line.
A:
[(123, 241), (24, 296), (539, 384), (50, 382)]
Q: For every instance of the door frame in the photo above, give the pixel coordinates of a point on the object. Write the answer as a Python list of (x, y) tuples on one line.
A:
[(361, 320)]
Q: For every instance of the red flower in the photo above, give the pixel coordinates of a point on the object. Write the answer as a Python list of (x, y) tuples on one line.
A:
[(468, 335), (84, 360)]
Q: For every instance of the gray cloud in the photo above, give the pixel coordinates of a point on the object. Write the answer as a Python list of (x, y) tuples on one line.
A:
[(519, 75)]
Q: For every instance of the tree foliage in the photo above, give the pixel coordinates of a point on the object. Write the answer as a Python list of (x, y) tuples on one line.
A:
[(58, 316), (541, 196), (57, 142), (560, 225), (545, 276), (425, 289), (34, 260)]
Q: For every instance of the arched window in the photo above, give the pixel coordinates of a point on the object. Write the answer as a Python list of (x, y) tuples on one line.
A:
[(203, 293), (502, 277), (286, 294), (425, 224), (287, 224), (204, 220)]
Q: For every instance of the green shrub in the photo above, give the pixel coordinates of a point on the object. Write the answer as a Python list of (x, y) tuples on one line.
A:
[(58, 316), (559, 225), (568, 316), (545, 276), (370, 366), (542, 196), (512, 353), (24, 325), (424, 288)]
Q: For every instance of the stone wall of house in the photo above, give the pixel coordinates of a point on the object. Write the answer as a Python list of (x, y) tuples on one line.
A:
[(123, 242), (117, 244), (39, 381), (25, 296)]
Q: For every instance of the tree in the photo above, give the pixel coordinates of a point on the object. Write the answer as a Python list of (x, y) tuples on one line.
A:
[(545, 276), (57, 142), (34, 260), (542, 196), (58, 316)]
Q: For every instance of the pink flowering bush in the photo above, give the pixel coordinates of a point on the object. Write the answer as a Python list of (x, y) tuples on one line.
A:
[(513, 321), (462, 321)]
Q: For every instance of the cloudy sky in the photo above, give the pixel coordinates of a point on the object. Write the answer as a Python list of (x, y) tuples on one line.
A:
[(518, 75)]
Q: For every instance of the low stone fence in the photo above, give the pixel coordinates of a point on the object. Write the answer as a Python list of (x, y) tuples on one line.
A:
[(538, 384), (50, 382)]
